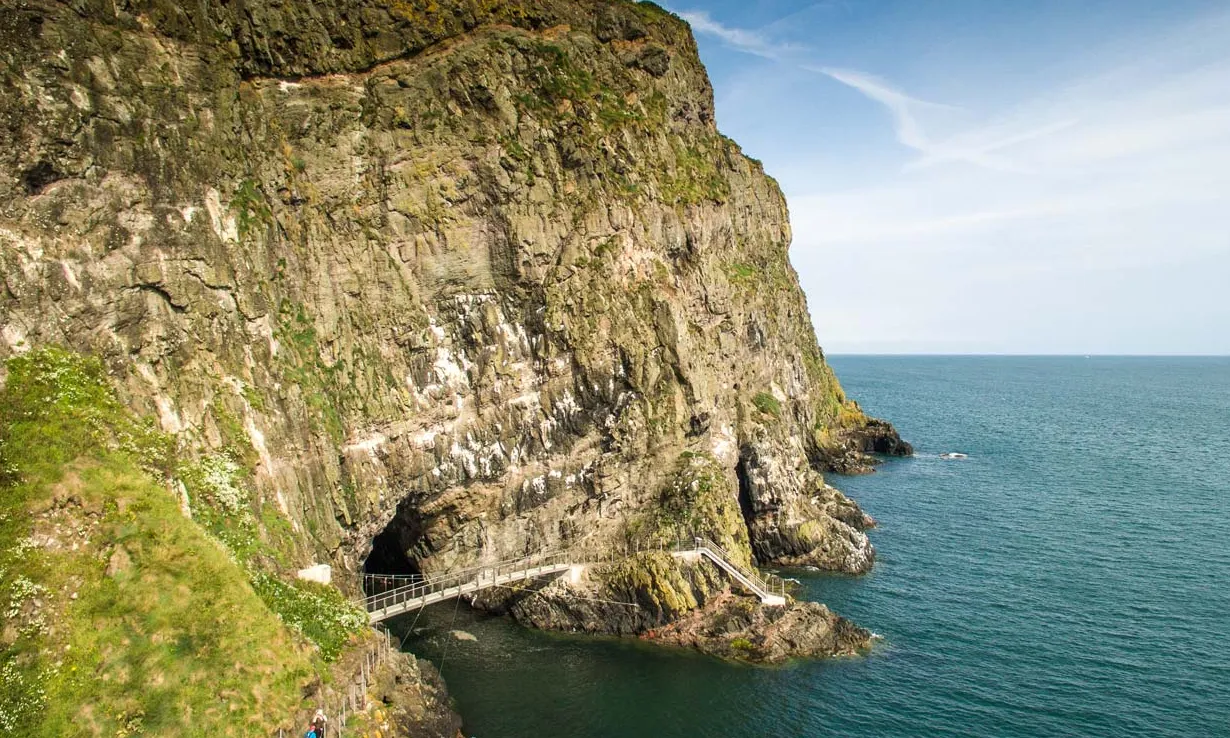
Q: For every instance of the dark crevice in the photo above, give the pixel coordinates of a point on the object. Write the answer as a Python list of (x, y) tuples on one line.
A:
[(745, 505), (745, 492), (36, 178), (161, 292)]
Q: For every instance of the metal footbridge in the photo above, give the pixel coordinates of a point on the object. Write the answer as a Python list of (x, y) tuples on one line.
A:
[(391, 595)]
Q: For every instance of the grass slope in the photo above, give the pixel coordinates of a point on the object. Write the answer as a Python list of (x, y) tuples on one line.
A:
[(122, 616)]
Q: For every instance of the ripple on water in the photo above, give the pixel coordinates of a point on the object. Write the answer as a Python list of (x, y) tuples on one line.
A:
[(1068, 579)]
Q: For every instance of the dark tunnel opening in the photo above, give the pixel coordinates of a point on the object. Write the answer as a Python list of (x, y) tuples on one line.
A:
[(390, 554), (393, 553), (745, 492)]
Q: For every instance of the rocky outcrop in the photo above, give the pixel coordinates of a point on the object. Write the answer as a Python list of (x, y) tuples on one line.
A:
[(851, 451), (629, 597), (741, 628), (672, 601), (406, 697)]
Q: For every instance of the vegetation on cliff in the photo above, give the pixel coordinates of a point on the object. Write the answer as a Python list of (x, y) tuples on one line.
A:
[(122, 615)]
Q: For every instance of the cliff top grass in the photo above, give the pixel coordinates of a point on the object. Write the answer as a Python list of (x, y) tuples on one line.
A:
[(123, 616)]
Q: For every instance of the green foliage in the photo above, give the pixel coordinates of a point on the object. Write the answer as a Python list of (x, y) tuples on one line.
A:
[(512, 146), (742, 274), (742, 644), (767, 404), (696, 176), (144, 624), (317, 611), (318, 381), (558, 87), (222, 502), (554, 78), (698, 500), (606, 248), (62, 404), (254, 398), (762, 273), (652, 578), (652, 11), (249, 206)]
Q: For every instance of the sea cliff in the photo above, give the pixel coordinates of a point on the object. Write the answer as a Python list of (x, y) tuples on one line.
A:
[(411, 285)]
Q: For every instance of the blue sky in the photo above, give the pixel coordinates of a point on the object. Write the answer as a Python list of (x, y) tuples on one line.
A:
[(991, 177)]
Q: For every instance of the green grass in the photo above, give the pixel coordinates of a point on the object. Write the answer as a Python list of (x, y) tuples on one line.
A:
[(249, 206), (123, 616), (767, 404), (743, 275)]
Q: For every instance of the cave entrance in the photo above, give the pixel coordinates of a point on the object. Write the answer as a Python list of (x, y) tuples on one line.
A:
[(394, 553)]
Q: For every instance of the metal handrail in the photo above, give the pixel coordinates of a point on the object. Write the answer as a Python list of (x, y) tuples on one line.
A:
[(379, 583), (475, 576), (413, 587), (768, 584)]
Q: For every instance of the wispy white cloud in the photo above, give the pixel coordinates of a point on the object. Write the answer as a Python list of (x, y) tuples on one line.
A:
[(1097, 217), (900, 105), (1080, 207), (740, 39), (974, 147)]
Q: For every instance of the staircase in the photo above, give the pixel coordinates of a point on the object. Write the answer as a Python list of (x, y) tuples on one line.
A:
[(771, 590)]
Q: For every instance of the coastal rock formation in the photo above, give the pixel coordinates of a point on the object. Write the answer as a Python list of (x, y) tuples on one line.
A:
[(631, 597), (660, 598), (740, 628), (432, 284), (479, 270)]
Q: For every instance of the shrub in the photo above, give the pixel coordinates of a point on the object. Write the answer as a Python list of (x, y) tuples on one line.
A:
[(767, 404), (317, 611)]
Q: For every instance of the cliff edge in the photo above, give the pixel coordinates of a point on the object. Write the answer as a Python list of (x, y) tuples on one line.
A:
[(434, 283)]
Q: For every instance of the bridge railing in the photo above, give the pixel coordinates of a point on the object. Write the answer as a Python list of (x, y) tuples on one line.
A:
[(422, 587), (389, 591), (374, 584)]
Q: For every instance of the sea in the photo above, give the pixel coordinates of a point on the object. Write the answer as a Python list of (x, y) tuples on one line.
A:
[(1071, 577)]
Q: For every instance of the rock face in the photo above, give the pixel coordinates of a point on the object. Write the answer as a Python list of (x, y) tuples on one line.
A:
[(478, 275), (628, 598)]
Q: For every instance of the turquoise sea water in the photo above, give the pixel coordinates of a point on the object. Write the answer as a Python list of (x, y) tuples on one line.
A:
[(1071, 578)]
